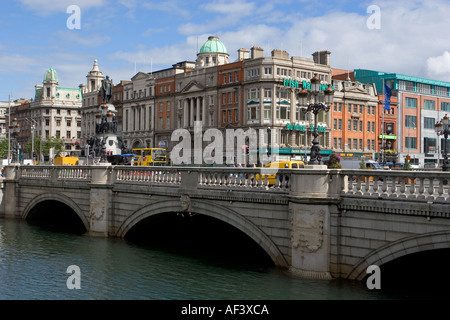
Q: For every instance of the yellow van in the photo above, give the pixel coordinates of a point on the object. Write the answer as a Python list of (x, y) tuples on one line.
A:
[(296, 164)]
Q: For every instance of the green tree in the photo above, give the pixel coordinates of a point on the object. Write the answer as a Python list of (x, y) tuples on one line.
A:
[(37, 146), (4, 148), (53, 142)]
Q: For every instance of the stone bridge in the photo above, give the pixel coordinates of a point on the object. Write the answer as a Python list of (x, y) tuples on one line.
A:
[(317, 222)]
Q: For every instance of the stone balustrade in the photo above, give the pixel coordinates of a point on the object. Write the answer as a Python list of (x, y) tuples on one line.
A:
[(415, 185)]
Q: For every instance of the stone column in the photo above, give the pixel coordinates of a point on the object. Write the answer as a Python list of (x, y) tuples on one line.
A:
[(100, 200), (191, 112), (185, 113), (9, 193), (204, 116), (197, 109), (310, 222)]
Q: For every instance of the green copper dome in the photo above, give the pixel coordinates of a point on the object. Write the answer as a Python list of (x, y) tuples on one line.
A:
[(213, 45), (51, 75)]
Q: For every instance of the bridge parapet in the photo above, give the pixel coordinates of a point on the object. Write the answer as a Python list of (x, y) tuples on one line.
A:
[(416, 185)]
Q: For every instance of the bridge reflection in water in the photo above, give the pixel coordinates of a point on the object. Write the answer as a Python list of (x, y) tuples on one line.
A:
[(316, 222)]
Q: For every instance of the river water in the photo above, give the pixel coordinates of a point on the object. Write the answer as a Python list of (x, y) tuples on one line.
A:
[(34, 263)]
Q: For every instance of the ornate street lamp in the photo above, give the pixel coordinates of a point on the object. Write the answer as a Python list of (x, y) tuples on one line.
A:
[(442, 128), (315, 100), (15, 129)]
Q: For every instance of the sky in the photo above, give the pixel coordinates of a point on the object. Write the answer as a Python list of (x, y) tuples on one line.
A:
[(128, 36)]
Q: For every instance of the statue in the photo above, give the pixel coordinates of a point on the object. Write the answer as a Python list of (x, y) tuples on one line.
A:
[(106, 90)]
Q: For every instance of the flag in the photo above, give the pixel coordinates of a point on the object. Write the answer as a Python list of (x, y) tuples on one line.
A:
[(387, 98)]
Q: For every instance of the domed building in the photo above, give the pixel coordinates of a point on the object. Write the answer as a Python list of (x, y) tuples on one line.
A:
[(212, 53), (56, 112)]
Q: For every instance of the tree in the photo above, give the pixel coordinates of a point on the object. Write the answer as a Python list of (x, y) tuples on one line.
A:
[(4, 148), (53, 142), (29, 146), (334, 162)]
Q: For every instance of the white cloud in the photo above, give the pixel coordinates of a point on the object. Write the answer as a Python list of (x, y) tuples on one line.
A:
[(439, 67)]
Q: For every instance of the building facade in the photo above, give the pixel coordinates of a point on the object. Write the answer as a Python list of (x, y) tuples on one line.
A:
[(56, 112), (420, 104), (354, 115)]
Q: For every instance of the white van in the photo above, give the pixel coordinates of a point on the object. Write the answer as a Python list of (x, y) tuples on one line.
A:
[(356, 164)]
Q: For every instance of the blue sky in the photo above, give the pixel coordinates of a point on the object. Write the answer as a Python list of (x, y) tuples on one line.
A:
[(129, 35)]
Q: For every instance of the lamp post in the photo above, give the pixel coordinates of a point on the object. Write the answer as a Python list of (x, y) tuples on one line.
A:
[(15, 129), (315, 100), (442, 128)]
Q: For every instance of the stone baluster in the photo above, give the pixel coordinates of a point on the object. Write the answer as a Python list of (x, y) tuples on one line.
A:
[(421, 189), (431, 194)]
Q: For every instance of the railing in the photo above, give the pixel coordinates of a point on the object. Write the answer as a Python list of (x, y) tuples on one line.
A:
[(158, 175), (245, 178), (57, 172), (427, 186), (372, 184)]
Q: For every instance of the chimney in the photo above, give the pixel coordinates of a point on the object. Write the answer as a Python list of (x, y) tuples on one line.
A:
[(322, 57), (257, 52), (276, 53), (243, 54)]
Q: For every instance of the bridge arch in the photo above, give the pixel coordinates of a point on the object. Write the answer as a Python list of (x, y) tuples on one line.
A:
[(212, 210), (56, 197), (400, 248)]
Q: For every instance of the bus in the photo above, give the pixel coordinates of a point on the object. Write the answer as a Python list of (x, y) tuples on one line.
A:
[(150, 157)]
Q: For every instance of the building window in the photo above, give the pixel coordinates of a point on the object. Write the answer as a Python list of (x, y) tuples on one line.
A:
[(424, 88), (58, 123), (361, 145), (429, 145), (428, 104), (406, 85), (360, 125), (335, 143), (253, 94), (267, 112), (58, 134), (267, 70), (340, 124), (355, 144), (349, 125), (411, 142), (428, 123), (445, 106), (334, 124), (267, 93), (441, 91), (411, 102), (410, 121), (355, 125), (69, 122), (252, 112), (68, 134), (340, 143), (283, 111)]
